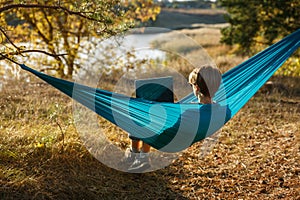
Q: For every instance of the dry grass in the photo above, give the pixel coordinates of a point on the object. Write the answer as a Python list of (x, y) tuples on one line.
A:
[(256, 155), (198, 45)]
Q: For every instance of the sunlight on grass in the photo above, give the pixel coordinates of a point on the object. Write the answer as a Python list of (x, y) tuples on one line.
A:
[(256, 154)]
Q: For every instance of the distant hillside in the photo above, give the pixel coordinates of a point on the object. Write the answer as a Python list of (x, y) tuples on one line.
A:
[(187, 18), (188, 4)]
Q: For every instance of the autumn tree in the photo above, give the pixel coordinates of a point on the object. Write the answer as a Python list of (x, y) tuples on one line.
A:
[(57, 28)]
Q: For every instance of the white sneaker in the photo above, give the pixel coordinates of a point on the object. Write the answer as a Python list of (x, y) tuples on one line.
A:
[(140, 164), (129, 157)]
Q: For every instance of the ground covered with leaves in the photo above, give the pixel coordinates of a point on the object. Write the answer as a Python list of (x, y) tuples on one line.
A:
[(256, 155)]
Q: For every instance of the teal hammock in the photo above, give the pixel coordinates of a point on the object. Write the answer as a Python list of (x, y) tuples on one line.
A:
[(172, 127)]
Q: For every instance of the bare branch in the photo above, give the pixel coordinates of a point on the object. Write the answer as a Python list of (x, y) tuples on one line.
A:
[(7, 37), (44, 52), (5, 56), (11, 60), (38, 51)]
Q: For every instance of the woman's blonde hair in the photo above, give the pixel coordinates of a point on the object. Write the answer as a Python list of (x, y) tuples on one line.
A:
[(207, 78)]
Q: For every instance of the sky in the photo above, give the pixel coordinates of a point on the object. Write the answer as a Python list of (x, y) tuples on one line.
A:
[(183, 0)]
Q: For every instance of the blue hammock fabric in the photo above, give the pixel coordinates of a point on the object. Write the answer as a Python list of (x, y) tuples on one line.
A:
[(172, 127)]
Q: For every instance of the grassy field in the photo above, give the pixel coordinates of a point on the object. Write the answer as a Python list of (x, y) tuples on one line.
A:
[(256, 155)]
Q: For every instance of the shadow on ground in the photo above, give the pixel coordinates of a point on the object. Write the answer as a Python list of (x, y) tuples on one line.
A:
[(65, 176)]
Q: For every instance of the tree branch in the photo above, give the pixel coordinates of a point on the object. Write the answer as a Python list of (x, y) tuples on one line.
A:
[(38, 51), (19, 51), (11, 60), (70, 12), (33, 24), (49, 24), (6, 36)]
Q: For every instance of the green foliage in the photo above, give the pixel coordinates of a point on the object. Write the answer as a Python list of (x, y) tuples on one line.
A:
[(290, 68), (259, 22), (254, 25)]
